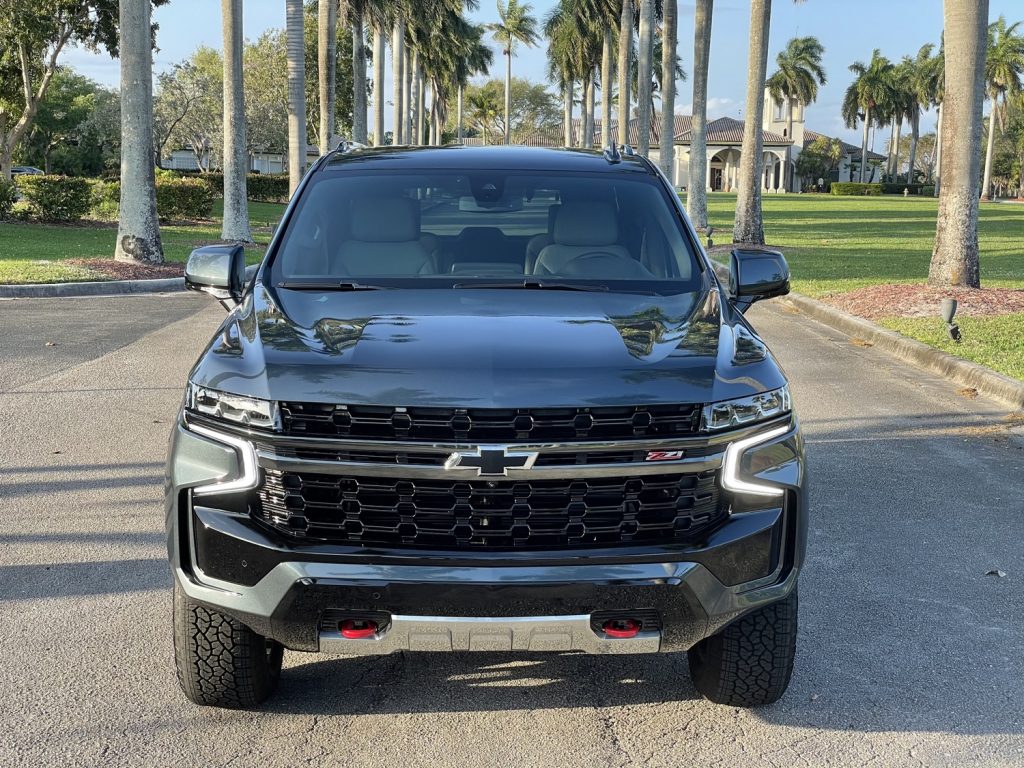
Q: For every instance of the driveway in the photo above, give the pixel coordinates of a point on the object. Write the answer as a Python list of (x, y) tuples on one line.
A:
[(909, 654)]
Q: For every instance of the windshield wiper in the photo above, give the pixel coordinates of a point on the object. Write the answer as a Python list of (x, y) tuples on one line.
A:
[(324, 285), (535, 285)]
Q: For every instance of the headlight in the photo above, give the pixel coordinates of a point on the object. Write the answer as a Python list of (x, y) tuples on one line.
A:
[(735, 470), (247, 411), (746, 410)]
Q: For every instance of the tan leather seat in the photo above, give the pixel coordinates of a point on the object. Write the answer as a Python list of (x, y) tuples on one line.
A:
[(581, 228), (385, 239)]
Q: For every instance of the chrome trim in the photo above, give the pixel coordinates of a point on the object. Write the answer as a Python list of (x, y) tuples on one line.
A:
[(465, 633), (454, 462), (270, 460)]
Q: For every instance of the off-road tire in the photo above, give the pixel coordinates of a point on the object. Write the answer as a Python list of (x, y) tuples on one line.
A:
[(749, 662), (220, 661)]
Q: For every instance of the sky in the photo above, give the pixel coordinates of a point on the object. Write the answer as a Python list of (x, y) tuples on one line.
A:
[(849, 30)]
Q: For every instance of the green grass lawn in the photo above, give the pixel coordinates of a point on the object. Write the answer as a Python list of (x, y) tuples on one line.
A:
[(838, 244), (32, 253)]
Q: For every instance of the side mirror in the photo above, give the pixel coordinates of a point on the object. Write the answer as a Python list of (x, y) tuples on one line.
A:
[(757, 274), (218, 270)]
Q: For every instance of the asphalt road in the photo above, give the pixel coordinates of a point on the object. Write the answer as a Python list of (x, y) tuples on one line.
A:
[(909, 654)]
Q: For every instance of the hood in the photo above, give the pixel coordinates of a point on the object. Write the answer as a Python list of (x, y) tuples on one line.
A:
[(486, 348)]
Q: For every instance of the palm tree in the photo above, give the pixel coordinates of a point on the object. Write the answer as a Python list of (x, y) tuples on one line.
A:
[(515, 25), (669, 63), (562, 56), (327, 67), (474, 58), (138, 232), (398, 77), (645, 68), (625, 52), (235, 226), (955, 255), (748, 226), (922, 85), (296, 93), (357, 13), (796, 80), (1004, 67), (696, 186), (869, 90), (379, 44)]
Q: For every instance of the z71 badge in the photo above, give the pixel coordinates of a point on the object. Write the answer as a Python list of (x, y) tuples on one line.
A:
[(664, 455)]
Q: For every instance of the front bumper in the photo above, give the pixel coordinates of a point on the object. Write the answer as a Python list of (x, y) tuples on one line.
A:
[(298, 593)]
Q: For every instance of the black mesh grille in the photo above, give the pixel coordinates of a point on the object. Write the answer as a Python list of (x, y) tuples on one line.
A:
[(490, 425), (457, 514)]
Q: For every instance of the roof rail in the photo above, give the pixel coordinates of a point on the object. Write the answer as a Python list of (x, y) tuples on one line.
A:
[(611, 154)]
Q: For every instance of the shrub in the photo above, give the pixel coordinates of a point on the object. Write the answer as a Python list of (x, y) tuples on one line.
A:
[(897, 189), (21, 211), (106, 199), (267, 187), (928, 190), (8, 195), (183, 198), (847, 188), (56, 198)]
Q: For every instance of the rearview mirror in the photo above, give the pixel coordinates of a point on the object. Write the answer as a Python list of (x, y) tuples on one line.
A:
[(756, 274), (218, 270)]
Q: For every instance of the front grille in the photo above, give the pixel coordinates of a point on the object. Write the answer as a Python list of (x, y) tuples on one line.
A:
[(483, 425), (481, 515)]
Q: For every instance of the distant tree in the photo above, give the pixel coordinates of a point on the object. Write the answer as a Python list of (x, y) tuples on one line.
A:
[(869, 91), (68, 104), (515, 25), (818, 159), (797, 79), (534, 109), (189, 108), (1004, 68), (33, 33)]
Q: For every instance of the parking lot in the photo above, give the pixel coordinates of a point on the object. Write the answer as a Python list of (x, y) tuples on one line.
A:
[(909, 653)]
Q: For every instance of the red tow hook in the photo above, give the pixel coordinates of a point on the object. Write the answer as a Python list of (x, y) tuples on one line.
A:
[(358, 629), (622, 629)]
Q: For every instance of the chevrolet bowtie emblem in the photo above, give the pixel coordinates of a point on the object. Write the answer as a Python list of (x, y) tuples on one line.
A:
[(490, 461)]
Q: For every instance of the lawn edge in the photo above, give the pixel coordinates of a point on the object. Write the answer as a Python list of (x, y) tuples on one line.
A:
[(986, 381), (99, 287)]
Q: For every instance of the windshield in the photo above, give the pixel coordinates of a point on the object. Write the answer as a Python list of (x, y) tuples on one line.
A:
[(485, 229)]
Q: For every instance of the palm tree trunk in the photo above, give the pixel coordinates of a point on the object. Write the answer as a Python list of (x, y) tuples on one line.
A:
[(625, 46), (606, 86), (955, 256), (138, 232), (421, 103), (415, 101), (864, 144), (235, 226), (398, 79), (896, 150), (407, 97), (508, 96), (938, 150), (915, 129), (296, 93), (748, 227), (378, 85), (645, 71), (458, 117), (986, 185), (567, 89), (588, 112), (696, 187), (786, 176), (668, 88), (358, 73), (327, 56)]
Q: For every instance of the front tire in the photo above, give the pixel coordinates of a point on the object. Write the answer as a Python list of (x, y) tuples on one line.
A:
[(220, 661), (748, 663)]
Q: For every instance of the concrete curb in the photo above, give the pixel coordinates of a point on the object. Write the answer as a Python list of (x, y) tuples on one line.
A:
[(100, 287), (985, 380)]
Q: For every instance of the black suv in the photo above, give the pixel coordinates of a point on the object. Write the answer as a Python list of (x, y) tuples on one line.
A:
[(483, 399)]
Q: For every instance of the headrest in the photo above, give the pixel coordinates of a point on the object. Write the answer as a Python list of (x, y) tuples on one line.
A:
[(586, 223), (385, 219)]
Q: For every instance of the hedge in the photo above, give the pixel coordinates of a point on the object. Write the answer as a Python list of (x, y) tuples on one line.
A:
[(56, 198), (183, 198), (893, 188), (264, 187), (106, 199), (7, 197), (847, 188)]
